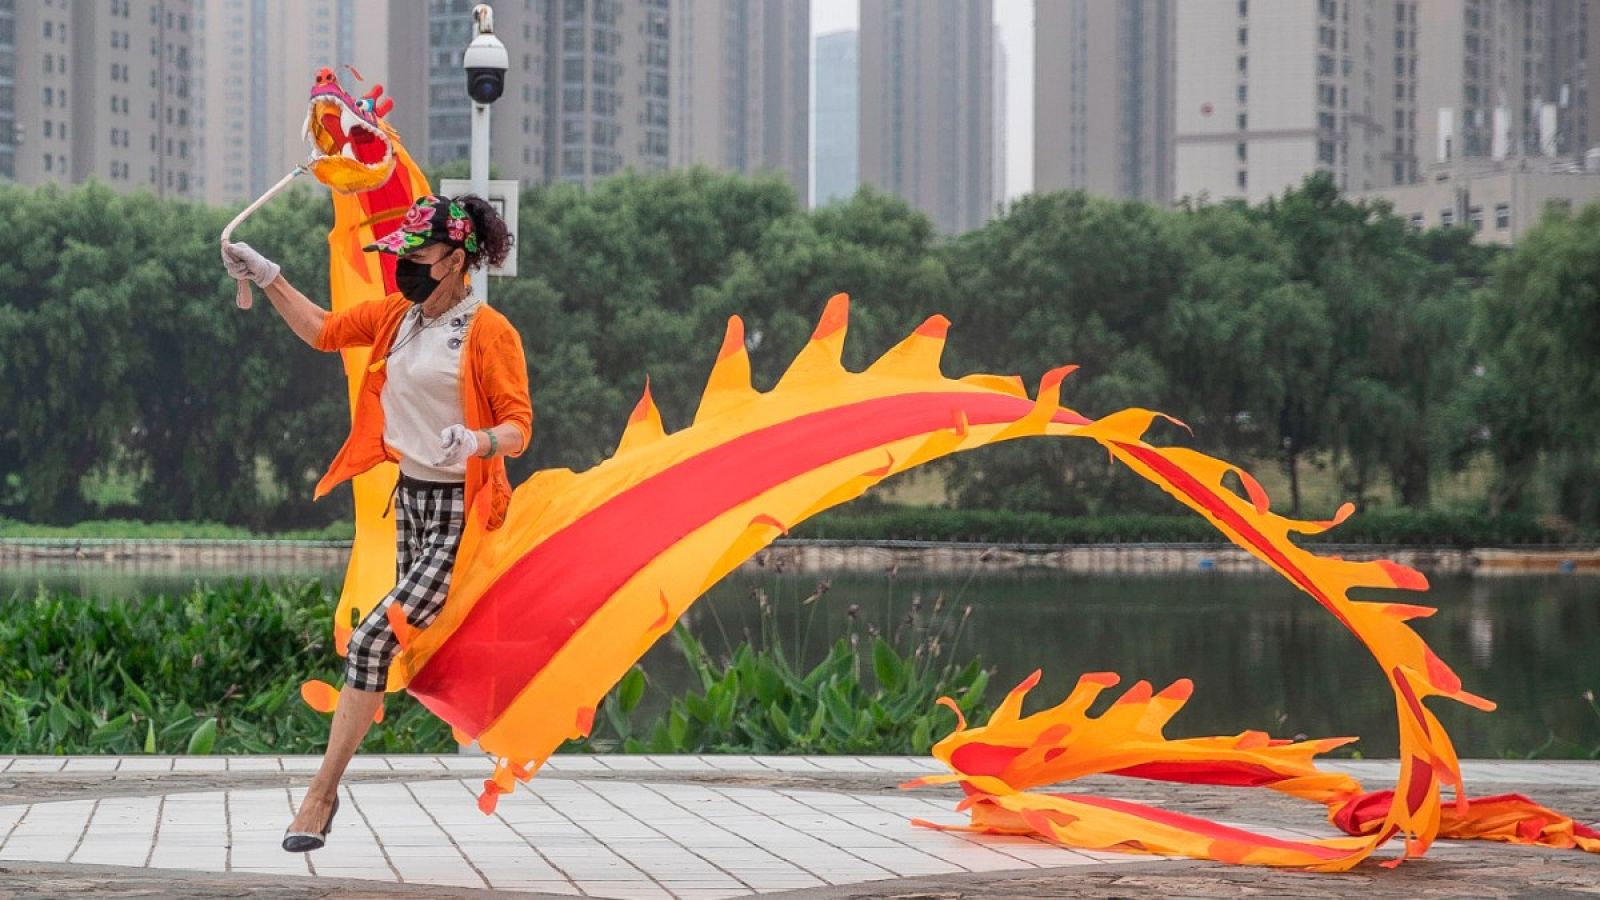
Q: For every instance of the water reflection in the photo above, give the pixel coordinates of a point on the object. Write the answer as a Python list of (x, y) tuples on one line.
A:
[(1262, 655)]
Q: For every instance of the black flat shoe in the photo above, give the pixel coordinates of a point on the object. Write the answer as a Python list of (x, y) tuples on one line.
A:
[(306, 841)]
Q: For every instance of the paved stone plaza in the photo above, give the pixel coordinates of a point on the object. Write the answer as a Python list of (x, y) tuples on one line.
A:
[(689, 827)]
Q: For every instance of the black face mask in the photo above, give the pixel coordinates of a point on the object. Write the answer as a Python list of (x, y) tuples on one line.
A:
[(415, 280)]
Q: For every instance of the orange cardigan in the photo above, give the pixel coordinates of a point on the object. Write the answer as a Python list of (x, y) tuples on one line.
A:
[(494, 391)]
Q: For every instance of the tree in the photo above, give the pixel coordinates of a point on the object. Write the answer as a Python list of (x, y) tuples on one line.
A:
[(1064, 278), (1537, 336)]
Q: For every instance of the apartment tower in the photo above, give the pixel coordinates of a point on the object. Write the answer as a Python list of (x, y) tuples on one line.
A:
[(835, 165), (741, 87), (1268, 92), (927, 116), (1103, 98), (260, 59), (100, 89)]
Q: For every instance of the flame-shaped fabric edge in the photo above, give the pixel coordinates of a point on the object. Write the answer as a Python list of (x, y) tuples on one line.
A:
[(1062, 743), (1192, 477), (731, 408), (996, 762)]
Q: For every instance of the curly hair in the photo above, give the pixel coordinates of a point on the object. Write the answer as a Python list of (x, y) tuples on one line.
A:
[(494, 240)]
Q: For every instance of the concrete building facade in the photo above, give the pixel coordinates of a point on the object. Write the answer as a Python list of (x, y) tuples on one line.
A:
[(1498, 200), (927, 106), (1103, 98), (836, 161), (100, 89), (1302, 87), (741, 87)]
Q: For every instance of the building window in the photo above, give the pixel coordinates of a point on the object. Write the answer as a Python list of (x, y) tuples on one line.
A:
[(1325, 152), (1244, 36), (1244, 65), (1416, 222), (1243, 150), (1475, 218), (1244, 93), (1243, 180), (1244, 8), (1502, 216), (1447, 217)]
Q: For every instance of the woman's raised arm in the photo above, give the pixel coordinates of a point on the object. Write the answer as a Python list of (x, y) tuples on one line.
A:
[(303, 317)]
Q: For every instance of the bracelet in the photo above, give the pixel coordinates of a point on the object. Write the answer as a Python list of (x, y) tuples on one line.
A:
[(494, 443)]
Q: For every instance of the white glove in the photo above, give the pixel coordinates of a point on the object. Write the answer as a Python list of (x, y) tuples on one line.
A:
[(456, 445), (245, 264)]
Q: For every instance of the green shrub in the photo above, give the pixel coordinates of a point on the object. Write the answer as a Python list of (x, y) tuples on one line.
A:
[(217, 670), (868, 695)]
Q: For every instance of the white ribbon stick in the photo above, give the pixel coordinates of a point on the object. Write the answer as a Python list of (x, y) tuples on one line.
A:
[(243, 299)]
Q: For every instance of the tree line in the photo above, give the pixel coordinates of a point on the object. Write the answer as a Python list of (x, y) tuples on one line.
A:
[(1309, 333)]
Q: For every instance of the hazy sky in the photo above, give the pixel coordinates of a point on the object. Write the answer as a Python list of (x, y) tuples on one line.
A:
[(1014, 21)]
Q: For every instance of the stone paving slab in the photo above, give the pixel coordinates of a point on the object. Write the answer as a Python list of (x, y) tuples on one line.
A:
[(692, 827), (601, 838), (1564, 772)]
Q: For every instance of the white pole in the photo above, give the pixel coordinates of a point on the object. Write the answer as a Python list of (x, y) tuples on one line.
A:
[(480, 183)]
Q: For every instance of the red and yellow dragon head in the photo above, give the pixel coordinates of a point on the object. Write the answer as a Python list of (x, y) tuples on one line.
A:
[(352, 148)]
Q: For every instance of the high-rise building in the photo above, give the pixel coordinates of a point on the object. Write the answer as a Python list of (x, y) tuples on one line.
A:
[(835, 166), (741, 87), (1482, 77), (586, 94), (927, 106), (260, 59), (8, 90), (1103, 97), (101, 89), (1574, 28), (998, 153), (1268, 92)]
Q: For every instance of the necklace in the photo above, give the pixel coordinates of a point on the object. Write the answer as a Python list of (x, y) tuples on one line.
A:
[(419, 325)]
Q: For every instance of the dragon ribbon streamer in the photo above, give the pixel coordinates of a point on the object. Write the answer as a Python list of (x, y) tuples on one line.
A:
[(546, 613)]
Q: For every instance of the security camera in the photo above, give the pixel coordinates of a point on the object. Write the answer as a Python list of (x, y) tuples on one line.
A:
[(486, 60)]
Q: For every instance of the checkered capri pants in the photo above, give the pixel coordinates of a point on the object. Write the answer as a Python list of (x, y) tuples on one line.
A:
[(429, 519)]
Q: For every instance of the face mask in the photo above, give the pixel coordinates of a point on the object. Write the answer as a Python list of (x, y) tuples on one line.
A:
[(415, 280)]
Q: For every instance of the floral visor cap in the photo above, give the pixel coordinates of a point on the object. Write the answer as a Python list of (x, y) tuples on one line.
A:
[(431, 220)]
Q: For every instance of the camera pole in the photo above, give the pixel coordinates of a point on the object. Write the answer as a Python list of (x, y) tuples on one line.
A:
[(483, 42), (480, 181)]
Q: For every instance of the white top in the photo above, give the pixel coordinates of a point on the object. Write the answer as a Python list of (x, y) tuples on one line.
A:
[(422, 395)]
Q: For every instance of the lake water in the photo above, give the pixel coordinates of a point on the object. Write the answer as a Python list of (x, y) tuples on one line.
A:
[(1262, 655)]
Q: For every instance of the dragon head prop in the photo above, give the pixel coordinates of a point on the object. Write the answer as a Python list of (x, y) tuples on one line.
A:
[(352, 147)]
